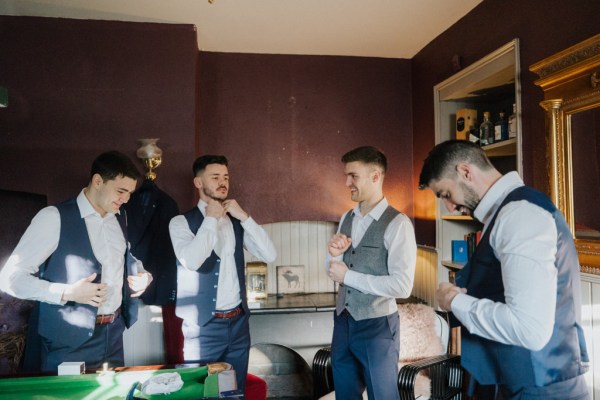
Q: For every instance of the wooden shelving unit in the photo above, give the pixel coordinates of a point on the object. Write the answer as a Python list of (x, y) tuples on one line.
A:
[(490, 84)]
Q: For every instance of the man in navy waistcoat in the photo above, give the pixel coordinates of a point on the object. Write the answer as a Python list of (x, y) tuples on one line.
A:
[(75, 261), (209, 242), (518, 299)]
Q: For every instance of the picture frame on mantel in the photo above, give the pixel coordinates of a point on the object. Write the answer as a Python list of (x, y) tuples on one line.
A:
[(256, 280), (290, 279)]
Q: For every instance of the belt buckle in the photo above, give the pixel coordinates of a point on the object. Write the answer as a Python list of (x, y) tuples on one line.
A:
[(229, 314), (105, 319)]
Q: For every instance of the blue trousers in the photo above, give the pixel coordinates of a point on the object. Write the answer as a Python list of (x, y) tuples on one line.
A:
[(571, 389), (365, 354), (226, 340), (106, 345)]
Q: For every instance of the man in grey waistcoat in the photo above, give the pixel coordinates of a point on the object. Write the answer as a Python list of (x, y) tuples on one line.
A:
[(74, 260), (372, 257)]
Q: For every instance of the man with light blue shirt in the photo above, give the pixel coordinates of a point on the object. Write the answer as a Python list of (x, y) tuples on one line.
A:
[(518, 298), (372, 257), (74, 260), (209, 242)]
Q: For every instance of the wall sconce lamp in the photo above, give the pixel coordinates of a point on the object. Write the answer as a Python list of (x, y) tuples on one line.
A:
[(3, 97), (151, 156)]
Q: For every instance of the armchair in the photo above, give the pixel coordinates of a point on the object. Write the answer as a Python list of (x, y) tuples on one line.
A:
[(427, 371)]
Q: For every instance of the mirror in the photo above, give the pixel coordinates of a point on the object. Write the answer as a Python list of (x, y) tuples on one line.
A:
[(571, 83), (585, 142)]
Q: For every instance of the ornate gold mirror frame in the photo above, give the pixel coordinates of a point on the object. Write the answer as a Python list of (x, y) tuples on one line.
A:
[(571, 83)]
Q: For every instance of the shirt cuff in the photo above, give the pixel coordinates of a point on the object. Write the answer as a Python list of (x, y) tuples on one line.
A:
[(249, 223), (351, 278), (55, 293), (210, 223), (461, 306)]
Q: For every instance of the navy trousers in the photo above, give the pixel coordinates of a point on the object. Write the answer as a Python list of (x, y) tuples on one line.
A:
[(225, 340), (106, 345), (365, 354)]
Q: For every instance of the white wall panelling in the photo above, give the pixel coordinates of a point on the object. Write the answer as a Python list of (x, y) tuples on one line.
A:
[(590, 316), (301, 243)]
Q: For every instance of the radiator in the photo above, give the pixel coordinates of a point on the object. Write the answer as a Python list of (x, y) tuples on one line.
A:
[(426, 275)]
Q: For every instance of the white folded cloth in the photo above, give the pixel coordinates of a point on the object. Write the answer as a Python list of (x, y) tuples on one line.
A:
[(162, 383)]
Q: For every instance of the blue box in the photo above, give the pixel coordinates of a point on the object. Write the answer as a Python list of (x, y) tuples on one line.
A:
[(459, 251)]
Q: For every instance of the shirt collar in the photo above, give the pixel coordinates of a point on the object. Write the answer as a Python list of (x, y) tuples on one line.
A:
[(375, 212), (85, 207), (202, 207), (495, 196)]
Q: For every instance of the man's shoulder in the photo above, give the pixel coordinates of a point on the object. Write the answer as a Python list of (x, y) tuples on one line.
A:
[(67, 207), (531, 195)]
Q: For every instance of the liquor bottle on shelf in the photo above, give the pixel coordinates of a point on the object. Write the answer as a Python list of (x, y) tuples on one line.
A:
[(512, 123), (486, 130), (501, 129)]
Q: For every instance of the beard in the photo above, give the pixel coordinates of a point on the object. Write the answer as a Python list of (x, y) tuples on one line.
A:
[(471, 198), (214, 195)]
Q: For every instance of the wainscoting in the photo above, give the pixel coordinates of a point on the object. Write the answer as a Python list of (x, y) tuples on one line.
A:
[(301, 243), (590, 316), (297, 243)]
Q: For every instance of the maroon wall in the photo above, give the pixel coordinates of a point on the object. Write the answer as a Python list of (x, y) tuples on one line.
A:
[(284, 122), (543, 27), (77, 88)]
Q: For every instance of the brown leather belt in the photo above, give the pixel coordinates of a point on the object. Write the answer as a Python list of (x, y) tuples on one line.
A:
[(229, 314), (103, 319)]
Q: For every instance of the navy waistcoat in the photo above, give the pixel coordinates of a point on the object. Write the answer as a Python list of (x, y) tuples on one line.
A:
[(73, 260), (197, 290), (565, 355)]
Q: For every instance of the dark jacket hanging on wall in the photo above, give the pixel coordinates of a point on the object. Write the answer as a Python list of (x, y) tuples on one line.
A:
[(149, 211)]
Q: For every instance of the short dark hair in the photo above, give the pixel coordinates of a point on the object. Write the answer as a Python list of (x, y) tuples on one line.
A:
[(202, 161), (444, 157), (113, 164), (367, 155)]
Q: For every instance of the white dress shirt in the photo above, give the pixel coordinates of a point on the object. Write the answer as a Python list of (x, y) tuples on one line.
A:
[(218, 235), (399, 240), (40, 240), (524, 239)]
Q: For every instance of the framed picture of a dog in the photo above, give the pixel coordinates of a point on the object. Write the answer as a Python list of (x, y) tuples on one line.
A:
[(290, 279)]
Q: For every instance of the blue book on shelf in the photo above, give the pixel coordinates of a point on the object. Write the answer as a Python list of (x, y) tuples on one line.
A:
[(459, 251)]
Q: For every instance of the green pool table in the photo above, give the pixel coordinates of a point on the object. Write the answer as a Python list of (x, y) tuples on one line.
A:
[(111, 386)]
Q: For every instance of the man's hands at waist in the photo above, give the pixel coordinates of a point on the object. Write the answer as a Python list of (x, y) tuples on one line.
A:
[(445, 293)]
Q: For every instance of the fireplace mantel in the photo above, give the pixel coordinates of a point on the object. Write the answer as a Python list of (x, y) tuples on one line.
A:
[(295, 303)]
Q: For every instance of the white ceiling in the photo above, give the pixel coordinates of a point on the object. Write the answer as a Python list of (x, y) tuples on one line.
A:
[(369, 28)]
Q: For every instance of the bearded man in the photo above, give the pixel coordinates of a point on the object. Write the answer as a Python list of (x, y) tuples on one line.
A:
[(209, 243), (518, 299)]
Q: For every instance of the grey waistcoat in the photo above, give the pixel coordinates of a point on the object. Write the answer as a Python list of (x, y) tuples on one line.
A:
[(368, 257)]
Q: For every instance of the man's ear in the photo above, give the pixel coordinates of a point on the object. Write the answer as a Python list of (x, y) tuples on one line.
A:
[(198, 182), (376, 175), (465, 171), (97, 180)]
